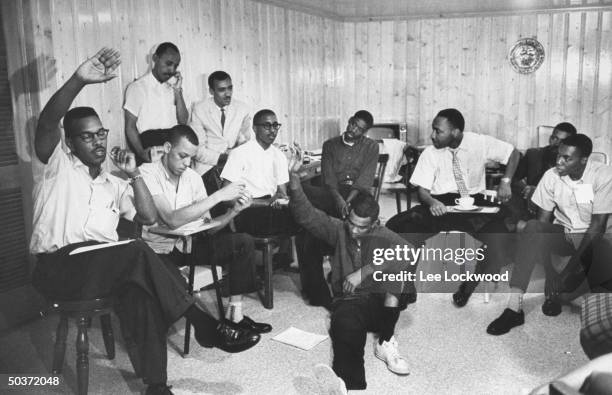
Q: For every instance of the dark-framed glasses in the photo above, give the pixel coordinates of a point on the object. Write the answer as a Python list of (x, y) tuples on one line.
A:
[(269, 126), (88, 137)]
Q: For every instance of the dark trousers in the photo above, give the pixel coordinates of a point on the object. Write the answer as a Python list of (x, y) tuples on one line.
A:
[(541, 239), (266, 221), (418, 224), (351, 320), (236, 251), (311, 250), (150, 295)]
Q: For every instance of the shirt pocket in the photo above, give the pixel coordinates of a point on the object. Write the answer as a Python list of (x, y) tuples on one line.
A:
[(585, 211), (102, 223)]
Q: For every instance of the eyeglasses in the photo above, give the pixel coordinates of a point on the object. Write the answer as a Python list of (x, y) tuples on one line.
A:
[(88, 137), (269, 126), (353, 124)]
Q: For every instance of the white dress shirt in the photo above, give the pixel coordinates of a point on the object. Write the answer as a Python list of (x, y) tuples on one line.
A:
[(261, 170), (190, 189), (151, 102), (573, 202), (71, 207), (434, 170), (206, 122)]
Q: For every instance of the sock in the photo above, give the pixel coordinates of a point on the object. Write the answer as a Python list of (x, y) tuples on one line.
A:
[(234, 312), (389, 318), (204, 325), (515, 300)]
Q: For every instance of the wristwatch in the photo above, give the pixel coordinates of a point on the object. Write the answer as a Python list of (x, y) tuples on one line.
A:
[(505, 179)]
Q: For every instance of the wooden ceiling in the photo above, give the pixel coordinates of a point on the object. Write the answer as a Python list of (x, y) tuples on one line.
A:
[(360, 10)]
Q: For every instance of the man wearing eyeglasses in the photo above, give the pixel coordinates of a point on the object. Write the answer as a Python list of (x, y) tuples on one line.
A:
[(263, 169), (348, 165), (362, 303), (77, 203)]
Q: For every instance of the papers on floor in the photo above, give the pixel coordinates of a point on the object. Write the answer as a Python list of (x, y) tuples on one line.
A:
[(80, 250), (299, 338)]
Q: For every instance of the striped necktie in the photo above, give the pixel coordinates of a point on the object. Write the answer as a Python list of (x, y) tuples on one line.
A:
[(461, 187)]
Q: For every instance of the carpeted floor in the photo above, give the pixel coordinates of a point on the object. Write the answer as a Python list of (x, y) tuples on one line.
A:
[(448, 350)]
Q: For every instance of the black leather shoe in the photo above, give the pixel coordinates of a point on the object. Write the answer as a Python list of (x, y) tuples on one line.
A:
[(229, 337), (159, 389), (551, 307), (508, 320), (461, 297), (257, 327)]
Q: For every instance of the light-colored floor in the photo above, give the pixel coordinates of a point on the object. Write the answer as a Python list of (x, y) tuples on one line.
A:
[(447, 348)]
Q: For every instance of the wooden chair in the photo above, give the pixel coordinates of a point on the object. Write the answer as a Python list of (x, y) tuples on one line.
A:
[(379, 175), (83, 311), (266, 244), (403, 187)]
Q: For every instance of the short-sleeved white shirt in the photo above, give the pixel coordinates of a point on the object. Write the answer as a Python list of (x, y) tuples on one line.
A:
[(261, 170), (434, 170), (71, 207), (573, 202), (151, 102), (190, 189)]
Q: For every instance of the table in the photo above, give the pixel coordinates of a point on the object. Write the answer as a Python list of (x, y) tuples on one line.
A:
[(186, 232)]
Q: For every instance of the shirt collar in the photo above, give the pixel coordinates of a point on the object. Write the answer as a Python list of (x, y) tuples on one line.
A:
[(78, 164), (153, 82), (350, 144)]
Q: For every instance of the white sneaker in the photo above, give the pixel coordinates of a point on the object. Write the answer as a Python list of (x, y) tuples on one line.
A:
[(329, 382), (388, 353)]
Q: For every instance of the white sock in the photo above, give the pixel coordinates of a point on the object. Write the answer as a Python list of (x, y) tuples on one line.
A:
[(515, 300), (234, 312)]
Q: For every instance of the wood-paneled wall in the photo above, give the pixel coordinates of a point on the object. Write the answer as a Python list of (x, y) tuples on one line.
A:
[(409, 70), (279, 59)]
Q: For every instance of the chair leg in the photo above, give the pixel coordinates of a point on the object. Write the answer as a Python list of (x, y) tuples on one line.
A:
[(60, 345), (398, 201), (82, 348), (108, 336), (268, 291)]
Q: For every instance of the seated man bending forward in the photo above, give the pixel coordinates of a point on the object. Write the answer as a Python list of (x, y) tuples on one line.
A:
[(76, 203), (180, 197), (362, 303)]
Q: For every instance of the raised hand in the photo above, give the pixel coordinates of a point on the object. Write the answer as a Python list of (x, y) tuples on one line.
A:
[(178, 78), (296, 159), (125, 160), (100, 67)]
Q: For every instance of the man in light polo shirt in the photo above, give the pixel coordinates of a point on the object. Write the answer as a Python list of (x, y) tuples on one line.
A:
[(574, 203), (180, 198), (454, 167), (155, 101), (263, 169), (222, 123)]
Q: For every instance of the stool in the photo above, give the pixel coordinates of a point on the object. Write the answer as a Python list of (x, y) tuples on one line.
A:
[(82, 311), (265, 244)]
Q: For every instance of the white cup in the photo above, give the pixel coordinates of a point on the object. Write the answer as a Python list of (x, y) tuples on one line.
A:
[(465, 202)]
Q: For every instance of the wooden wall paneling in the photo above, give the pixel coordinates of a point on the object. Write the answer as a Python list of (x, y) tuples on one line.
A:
[(590, 38), (511, 82), (362, 85), (294, 76), (349, 50), (526, 92), (398, 65), (374, 64), (603, 113), (386, 72), (542, 80), (454, 91), (440, 62), (426, 69), (573, 76), (412, 72), (498, 53), (557, 71), (300, 66)]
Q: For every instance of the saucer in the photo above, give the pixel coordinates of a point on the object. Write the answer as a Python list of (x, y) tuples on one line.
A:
[(471, 208)]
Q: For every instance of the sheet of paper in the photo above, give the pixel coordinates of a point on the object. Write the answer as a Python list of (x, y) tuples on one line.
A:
[(187, 229), (80, 250), (299, 338)]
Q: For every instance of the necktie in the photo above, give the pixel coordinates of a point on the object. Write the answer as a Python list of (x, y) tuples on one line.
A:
[(222, 118), (461, 187)]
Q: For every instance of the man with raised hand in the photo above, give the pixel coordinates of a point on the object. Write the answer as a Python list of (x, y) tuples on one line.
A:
[(364, 300), (77, 203)]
